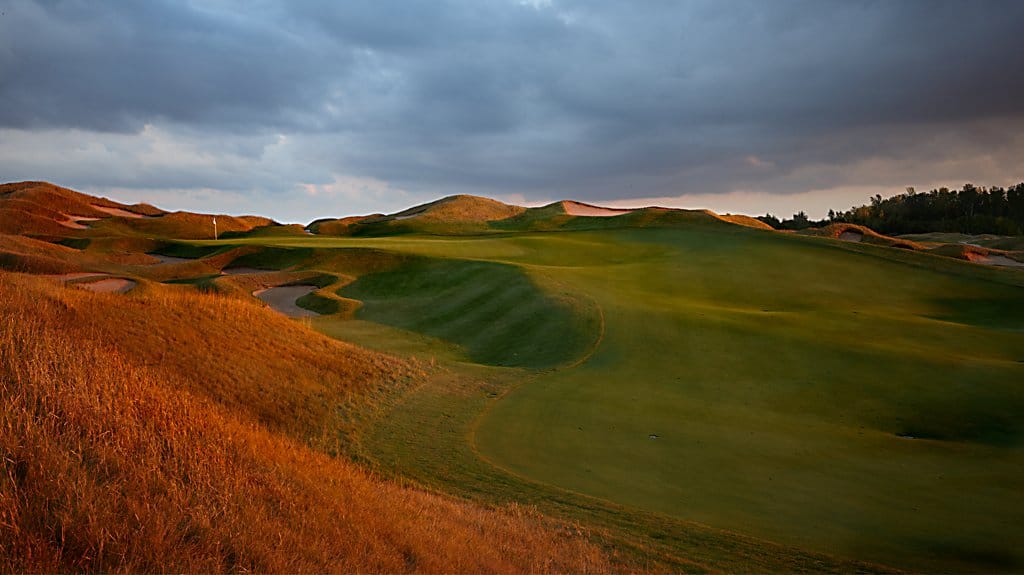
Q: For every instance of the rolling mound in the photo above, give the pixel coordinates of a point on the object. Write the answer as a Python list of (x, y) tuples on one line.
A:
[(460, 208), (857, 233), (22, 254), (178, 225), (69, 201), (741, 220), (452, 215), (115, 460), (339, 226), (574, 208), (494, 311)]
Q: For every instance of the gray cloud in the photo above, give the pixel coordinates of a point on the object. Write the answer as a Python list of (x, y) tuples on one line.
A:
[(597, 100)]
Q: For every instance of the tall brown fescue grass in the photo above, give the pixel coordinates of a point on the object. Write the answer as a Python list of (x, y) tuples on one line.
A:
[(139, 433)]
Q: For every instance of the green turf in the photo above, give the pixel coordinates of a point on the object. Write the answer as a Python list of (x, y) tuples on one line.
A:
[(1012, 243), (492, 310), (846, 399)]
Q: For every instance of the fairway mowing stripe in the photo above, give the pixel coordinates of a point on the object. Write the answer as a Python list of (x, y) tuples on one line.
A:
[(475, 425)]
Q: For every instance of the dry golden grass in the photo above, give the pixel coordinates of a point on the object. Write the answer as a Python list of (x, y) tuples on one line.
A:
[(869, 236), (178, 225), (462, 208), (236, 352), (18, 221), (111, 462), (67, 200), (19, 253), (741, 220), (340, 226)]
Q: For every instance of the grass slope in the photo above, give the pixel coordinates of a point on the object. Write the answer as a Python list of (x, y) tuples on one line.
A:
[(492, 310), (824, 395), (112, 462)]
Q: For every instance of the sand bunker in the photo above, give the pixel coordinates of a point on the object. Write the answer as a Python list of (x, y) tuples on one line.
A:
[(851, 236), (282, 299), (168, 259), (117, 212), (103, 284), (73, 225), (578, 209), (244, 271), (994, 260), (74, 276), (109, 285)]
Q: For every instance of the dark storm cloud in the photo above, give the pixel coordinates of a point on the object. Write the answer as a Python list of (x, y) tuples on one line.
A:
[(119, 65), (596, 99)]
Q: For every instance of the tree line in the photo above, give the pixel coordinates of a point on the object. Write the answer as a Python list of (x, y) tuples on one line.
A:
[(970, 210)]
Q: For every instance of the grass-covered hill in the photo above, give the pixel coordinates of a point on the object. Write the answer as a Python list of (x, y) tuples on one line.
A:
[(562, 388), (40, 209), (174, 431)]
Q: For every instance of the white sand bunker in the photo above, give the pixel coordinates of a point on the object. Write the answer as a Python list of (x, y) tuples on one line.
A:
[(74, 276), (244, 271), (282, 299), (71, 223), (167, 259), (850, 236), (118, 212), (995, 261), (109, 285), (578, 209)]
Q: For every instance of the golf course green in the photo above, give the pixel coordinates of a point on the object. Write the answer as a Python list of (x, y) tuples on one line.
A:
[(851, 400)]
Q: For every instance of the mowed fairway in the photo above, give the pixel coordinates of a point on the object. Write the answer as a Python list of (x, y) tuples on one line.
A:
[(852, 400)]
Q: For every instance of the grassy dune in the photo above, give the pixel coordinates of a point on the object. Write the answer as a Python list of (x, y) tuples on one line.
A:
[(113, 460)]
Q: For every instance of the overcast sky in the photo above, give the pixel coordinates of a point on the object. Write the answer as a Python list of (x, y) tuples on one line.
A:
[(299, 110)]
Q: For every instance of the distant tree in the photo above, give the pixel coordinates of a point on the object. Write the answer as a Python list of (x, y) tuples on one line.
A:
[(971, 209), (771, 221), (801, 221)]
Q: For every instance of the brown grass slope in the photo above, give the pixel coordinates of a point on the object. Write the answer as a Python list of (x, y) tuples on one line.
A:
[(177, 225), (69, 201), (46, 210), (112, 463), (867, 235), (23, 254), (741, 220), (340, 226), (461, 208), (257, 363)]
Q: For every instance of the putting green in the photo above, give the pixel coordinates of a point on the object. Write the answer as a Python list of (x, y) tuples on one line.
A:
[(853, 400)]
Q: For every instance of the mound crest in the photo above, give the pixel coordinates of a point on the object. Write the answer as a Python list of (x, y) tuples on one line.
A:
[(574, 208), (460, 208)]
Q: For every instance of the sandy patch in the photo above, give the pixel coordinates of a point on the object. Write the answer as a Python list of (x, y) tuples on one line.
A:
[(74, 276), (578, 209), (244, 271), (994, 260), (408, 217), (75, 222), (73, 225), (79, 218), (167, 259), (109, 285), (117, 212), (282, 299), (851, 236)]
